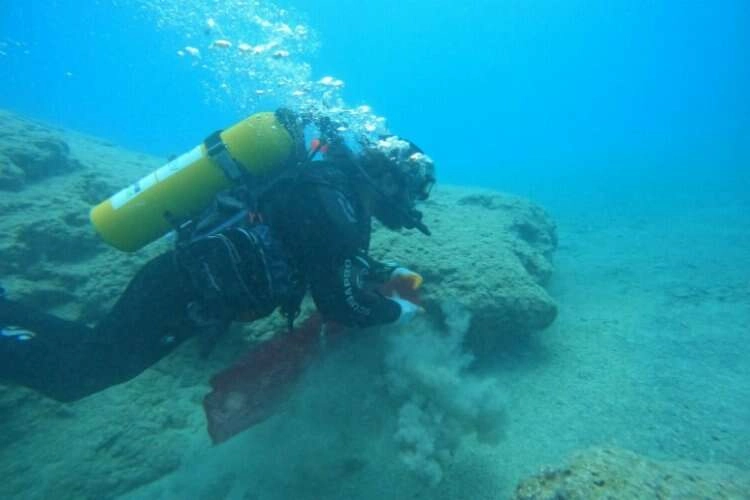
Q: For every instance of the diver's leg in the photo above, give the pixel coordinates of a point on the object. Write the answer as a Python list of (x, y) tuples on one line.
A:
[(67, 360)]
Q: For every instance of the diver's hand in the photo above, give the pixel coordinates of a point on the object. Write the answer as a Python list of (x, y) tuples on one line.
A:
[(412, 279), (408, 309)]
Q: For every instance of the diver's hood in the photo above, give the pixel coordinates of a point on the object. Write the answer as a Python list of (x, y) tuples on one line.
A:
[(414, 173), (409, 163)]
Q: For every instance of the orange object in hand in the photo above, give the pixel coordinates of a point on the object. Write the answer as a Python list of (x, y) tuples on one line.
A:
[(414, 280)]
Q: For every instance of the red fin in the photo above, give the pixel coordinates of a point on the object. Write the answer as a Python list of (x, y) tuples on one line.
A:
[(251, 390)]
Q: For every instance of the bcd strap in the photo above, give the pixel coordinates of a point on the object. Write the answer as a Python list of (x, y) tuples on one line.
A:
[(217, 151), (230, 272)]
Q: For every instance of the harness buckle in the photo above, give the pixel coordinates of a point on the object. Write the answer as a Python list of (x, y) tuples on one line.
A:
[(217, 150)]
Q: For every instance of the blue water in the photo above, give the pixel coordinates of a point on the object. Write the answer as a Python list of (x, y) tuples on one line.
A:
[(629, 121), (491, 89)]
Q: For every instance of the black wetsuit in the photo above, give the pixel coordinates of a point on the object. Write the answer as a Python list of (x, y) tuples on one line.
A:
[(320, 233)]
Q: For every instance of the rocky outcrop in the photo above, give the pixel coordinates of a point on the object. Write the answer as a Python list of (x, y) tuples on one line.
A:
[(30, 152), (489, 251), (51, 255), (600, 473)]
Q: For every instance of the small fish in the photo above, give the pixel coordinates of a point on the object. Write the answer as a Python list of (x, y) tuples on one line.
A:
[(17, 332), (222, 44), (283, 29), (329, 81)]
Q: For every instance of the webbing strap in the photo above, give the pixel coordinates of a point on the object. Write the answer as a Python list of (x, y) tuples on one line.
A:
[(217, 151)]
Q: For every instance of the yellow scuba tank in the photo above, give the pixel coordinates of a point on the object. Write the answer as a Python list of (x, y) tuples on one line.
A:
[(142, 212)]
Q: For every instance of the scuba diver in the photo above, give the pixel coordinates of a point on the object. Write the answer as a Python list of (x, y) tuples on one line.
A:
[(250, 253)]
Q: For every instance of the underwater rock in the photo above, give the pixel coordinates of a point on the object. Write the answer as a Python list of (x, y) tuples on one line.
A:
[(617, 473), (489, 251), (99, 447), (11, 177), (30, 152), (51, 256)]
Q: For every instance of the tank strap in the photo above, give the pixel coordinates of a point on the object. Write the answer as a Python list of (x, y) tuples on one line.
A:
[(217, 151)]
